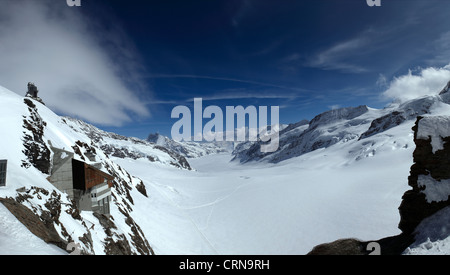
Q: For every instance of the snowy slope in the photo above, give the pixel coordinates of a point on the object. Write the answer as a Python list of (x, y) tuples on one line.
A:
[(288, 208), (432, 236), (28, 130)]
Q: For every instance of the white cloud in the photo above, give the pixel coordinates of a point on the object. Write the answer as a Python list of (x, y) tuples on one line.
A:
[(429, 81), (339, 57), (79, 70)]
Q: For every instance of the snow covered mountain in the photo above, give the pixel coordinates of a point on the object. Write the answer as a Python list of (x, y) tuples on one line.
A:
[(343, 125), (29, 133), (128, 147), (191, 149)]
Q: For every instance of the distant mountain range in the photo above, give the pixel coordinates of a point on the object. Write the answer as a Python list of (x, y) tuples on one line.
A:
[(341, 126)]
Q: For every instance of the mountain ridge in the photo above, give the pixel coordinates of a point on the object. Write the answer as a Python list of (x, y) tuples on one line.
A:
[(341, 125), (30, 131)]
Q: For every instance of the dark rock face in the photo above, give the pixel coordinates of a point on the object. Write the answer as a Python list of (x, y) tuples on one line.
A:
[(415, 207), (384, 123), (39, 226), (333, 115), (35, 149), (387, 246), (115, 244), (141, 188), (33, 93), (41, 221), (181, 161), (340, 247)]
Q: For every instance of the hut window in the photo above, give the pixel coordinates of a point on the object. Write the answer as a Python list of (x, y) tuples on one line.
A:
[(3, 164)]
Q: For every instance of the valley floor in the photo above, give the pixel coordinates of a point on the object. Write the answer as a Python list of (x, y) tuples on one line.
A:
[(350, 190), (227, 208)]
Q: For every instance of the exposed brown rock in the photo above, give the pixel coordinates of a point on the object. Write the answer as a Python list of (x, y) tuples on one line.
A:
[(414, 207), (340, 247), (43, 229)]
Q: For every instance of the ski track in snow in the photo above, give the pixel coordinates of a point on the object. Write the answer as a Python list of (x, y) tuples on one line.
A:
[(184, 209)]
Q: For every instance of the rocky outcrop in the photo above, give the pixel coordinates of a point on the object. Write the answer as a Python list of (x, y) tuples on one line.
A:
[(348, 113), (40, 227), (35, 149), (429, 173), (179, 162), (384, 123), (42, 219), (341, 247)]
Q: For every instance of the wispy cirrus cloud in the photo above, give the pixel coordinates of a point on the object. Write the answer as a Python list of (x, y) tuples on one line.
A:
[(340, 57), (81, 69), (355, 54), (440, 50), (244, 81), (244, 94)]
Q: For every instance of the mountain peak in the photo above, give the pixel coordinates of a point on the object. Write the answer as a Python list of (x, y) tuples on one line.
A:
[(338, 114), (156, 138), (446, 89)]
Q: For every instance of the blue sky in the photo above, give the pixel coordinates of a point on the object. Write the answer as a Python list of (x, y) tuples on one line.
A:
[(306, 56)]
